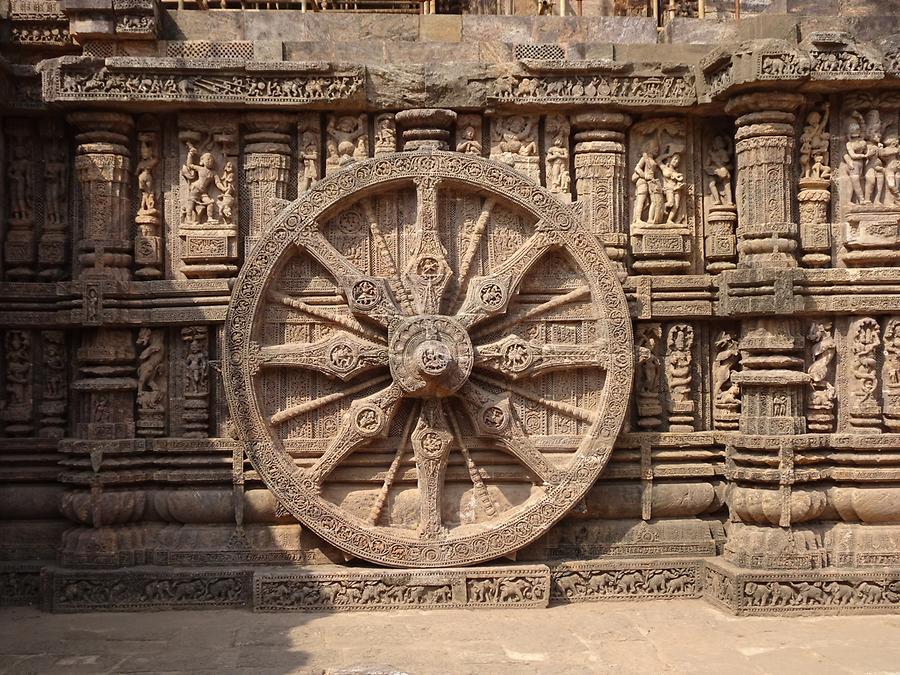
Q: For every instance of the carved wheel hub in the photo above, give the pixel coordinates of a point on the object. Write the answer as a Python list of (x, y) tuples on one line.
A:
[(428, 359), (430, 356)]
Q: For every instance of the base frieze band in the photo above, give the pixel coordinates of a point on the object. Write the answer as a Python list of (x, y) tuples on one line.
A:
[(823, 591)]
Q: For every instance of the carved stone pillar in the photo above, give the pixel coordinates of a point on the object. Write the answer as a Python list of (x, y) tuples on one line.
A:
[(425, 128), (267, 162), (600, 175), (103, 169), (767, 497), (767, 233), (772, 378)]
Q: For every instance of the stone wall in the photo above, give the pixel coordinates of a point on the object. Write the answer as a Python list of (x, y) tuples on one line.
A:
[(284, 293)]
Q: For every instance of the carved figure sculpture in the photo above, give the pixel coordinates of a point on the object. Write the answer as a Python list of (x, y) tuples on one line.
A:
[(21, 180), (146, 179), (151, 369), (718, 165), (228, 196), (674, 186), (309, 156), (18, 369), (874, 167), (648, 191), (865, 341), (890, 157), (648, 369), (679, 377), (347, 140), (855, 158), (727, 356), (385, 135), (822, 351), (821, 403), (469, 144), (558, 166), (678, 362), (814, 143), (197, 364), (516, 137), (892, 353), (647, 375), (56, 183), (200, 175)]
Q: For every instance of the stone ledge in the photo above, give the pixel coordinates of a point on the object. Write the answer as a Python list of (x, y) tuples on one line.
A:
[(144, 588), (618, 579), (325, 588), (334, 588), (746, 592), (363, 589)]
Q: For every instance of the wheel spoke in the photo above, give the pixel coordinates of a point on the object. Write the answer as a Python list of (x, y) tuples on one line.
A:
[(488, 296), (481, 491), (384, 252), (334, 318), (431, 445), (518, 358), (427, 273), (288, 414), (391, 475), (567, 409), (493, 416), (537, 310), (465, 264), (366, 295), (339, 356), (367, 418)]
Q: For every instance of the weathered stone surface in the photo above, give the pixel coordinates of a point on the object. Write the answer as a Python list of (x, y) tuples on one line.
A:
[(613, 294)]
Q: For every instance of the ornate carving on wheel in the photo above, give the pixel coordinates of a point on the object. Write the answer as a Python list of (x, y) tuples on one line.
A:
[(428, 359)]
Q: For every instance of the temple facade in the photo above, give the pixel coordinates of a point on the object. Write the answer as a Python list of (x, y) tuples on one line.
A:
[(347, 306)]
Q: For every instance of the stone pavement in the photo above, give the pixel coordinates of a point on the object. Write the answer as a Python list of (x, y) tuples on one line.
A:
[(674, 637)]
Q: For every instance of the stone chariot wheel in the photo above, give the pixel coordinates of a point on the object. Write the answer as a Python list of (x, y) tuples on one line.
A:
[(428, 359)]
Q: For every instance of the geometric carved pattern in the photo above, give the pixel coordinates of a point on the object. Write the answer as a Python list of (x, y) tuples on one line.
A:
[(428, 359)]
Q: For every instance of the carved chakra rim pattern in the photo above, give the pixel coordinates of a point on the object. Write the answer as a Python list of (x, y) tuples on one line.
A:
[(434, 358)]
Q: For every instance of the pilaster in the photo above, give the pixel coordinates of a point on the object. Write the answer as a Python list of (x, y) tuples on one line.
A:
[(267, 160), (762, 496), (600, 176)]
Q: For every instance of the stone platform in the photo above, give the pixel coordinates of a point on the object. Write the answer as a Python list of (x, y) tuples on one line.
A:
[(337, 588)]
